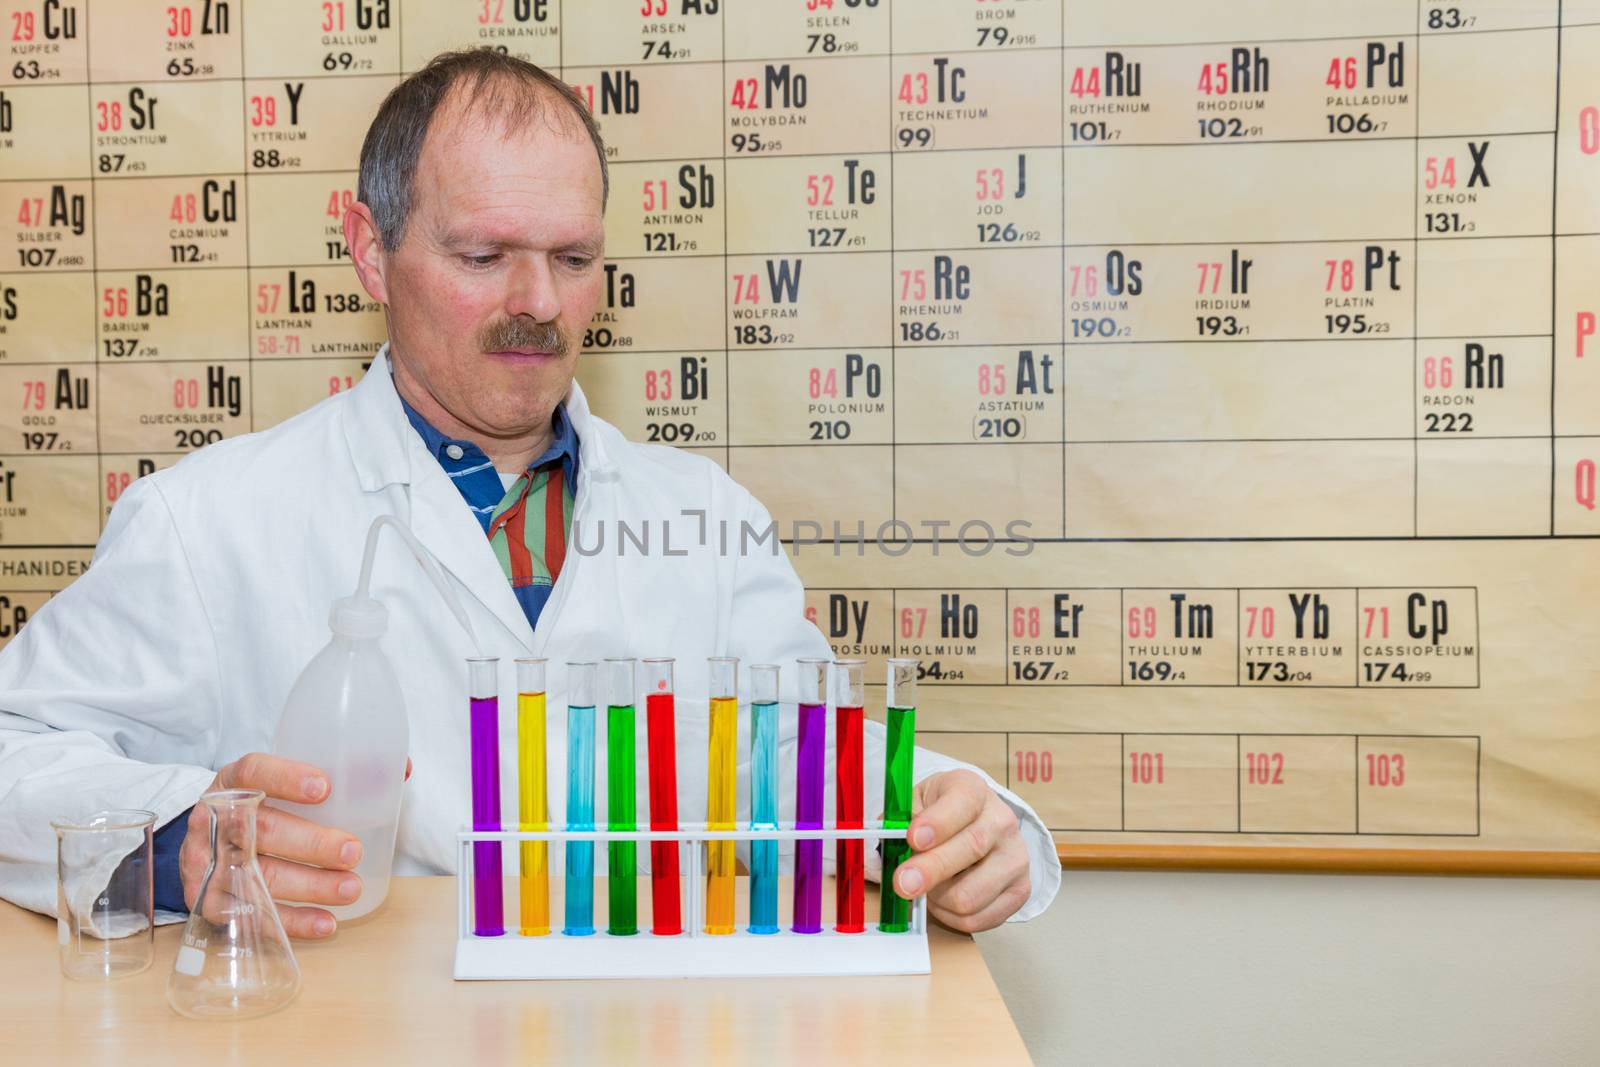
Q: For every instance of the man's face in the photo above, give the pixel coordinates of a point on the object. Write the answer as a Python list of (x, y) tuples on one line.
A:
[(499, 271)]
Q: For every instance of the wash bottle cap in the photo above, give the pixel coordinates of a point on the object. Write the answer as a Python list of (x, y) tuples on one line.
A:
[(359, 617)]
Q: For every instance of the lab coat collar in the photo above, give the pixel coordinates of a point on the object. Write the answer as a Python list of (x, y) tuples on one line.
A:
[(387, 451)]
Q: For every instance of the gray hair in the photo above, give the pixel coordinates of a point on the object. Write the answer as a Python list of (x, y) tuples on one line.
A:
[(514, 89)]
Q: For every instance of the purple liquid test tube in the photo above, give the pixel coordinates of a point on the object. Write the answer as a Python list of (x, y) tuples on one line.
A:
[(488, 907), (808, 794)]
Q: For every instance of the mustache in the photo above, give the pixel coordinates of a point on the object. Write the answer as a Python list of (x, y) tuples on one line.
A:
[(523, 332)]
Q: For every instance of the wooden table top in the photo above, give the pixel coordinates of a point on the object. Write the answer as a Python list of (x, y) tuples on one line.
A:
[(381, 992)]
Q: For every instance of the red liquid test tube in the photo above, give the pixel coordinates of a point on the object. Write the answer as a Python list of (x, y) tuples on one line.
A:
[(666, 916), (850, 885)]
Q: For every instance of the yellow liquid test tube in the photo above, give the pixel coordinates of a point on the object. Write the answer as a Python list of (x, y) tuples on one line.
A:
[(533, 810), (721, 799)]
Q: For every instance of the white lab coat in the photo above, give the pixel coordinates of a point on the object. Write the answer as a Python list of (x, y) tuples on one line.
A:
[(210, 591)]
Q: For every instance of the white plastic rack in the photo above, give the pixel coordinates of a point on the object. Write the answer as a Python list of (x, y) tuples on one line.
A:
[(693, 953)]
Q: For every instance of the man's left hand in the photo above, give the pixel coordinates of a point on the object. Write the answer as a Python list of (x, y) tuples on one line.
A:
[(968, 855)]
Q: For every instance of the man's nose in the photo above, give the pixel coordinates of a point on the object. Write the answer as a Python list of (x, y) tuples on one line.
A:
[(533, 292)]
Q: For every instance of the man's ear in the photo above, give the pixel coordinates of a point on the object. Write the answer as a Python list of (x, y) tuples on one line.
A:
[(366, 251)]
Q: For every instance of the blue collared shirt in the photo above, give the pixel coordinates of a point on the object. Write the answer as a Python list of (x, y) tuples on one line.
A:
[(473, 472), (480, 486)]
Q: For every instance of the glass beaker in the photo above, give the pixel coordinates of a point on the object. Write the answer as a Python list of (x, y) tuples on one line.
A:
[(104, 895), (235, 960)]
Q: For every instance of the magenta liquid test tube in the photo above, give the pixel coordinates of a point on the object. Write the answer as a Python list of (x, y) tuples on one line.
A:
[(488, 907), (813, 703)]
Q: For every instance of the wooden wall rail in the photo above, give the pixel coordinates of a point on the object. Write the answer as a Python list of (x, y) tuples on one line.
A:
[(1331, 860)]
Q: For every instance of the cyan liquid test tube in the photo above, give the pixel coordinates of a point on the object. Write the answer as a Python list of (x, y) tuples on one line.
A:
[(894, 911), (812, 764), (764, 797), (483, 692), (580, 798)]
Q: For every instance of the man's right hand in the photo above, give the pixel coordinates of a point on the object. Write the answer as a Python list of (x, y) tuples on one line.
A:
[(299, 859)]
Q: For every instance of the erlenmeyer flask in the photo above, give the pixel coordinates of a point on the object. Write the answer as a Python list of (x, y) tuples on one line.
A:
[(235, 960)]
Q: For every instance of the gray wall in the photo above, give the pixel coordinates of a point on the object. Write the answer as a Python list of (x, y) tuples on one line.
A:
[(1196, 969)]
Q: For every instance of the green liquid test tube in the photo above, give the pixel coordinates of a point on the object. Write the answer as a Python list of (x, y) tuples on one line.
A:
[(622, 882), (900, 713)]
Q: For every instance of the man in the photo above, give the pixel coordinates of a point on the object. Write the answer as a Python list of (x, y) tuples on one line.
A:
[(480, 229)]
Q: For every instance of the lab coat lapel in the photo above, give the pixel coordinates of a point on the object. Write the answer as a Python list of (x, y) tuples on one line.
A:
[(446, 528), (387, 451)]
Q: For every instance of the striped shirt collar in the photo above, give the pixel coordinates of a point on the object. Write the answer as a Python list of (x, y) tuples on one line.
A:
[(474, 473)]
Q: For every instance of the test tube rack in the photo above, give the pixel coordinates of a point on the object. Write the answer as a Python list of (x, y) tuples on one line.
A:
[(693, 953)]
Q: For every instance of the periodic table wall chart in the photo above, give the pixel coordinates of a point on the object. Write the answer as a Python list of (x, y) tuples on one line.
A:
[(1207, 391)]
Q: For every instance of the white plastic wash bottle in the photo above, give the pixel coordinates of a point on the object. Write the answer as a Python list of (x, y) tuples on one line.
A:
[(346, 716)]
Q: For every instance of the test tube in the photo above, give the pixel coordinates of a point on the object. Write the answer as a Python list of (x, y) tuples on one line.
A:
[(813, 707), (488, 905), (665, 909), (900, 712), (580, 797), (850, 872), (764, 797), (721, 799), (533, 801), (622, 870)]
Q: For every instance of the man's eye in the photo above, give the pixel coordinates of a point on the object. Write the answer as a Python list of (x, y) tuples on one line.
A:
[(577, 262), (483, 260)]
